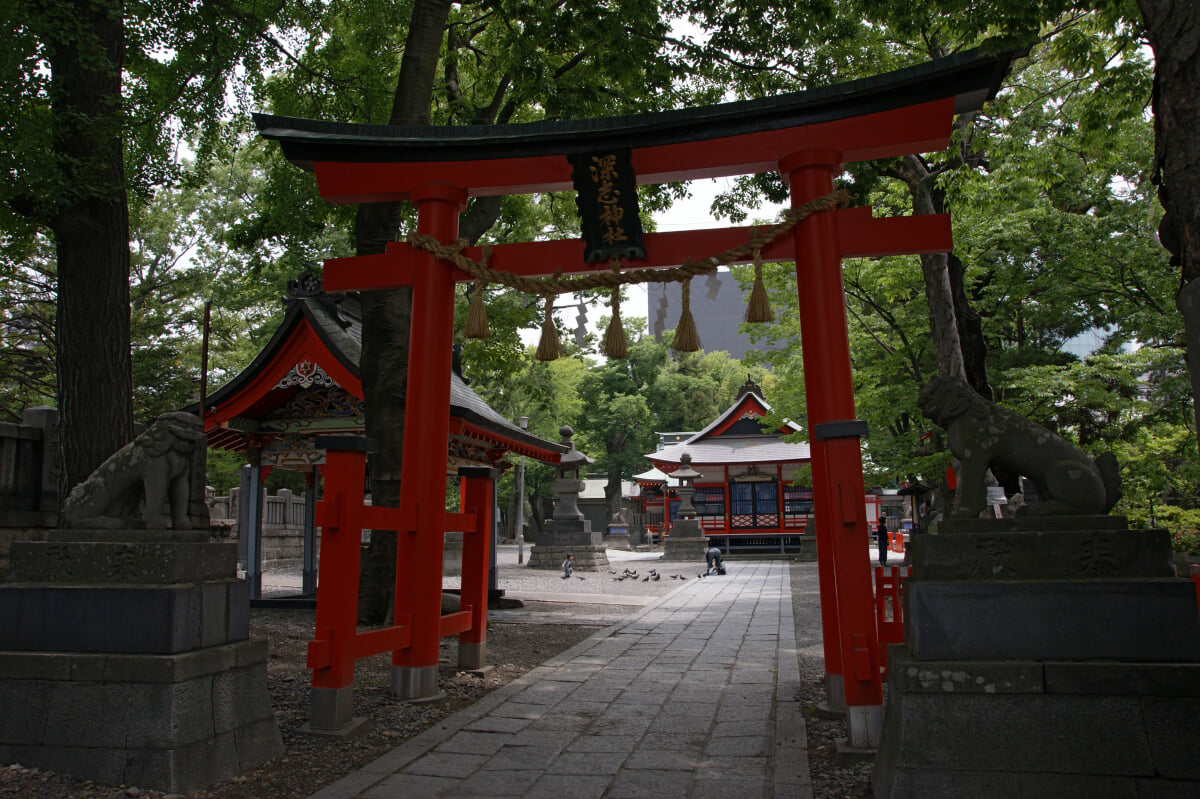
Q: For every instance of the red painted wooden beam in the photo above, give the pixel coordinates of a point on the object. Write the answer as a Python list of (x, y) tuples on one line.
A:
[(920, 128), (455, 623), (859, 235), (377, 642)]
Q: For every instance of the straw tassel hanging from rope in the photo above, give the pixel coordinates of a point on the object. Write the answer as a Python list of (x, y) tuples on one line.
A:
[(476, 325), (687, 339), (758, 309), (615, 343), (549, 348)]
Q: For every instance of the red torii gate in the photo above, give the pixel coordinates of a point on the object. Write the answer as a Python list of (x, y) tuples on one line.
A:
[(807, 136)]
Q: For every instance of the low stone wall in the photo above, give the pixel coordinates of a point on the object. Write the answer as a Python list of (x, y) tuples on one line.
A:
[(282, 530), (10, 534)]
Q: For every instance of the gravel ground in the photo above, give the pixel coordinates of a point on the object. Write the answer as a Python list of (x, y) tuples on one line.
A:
[(555, 615), (831, 779)]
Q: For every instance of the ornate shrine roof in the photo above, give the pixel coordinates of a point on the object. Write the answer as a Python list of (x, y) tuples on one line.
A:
[(318, 345), (736, 438)]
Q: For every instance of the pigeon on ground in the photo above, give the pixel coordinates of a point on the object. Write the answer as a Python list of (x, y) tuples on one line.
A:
[(577, 577), (646, 579), (657, 578)]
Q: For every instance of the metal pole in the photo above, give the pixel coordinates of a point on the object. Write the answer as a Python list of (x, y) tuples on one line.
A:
[(523, 421), (204, 360)]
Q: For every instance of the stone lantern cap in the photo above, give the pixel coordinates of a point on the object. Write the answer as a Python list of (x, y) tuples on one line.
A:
[(685, 472), (573, 458)]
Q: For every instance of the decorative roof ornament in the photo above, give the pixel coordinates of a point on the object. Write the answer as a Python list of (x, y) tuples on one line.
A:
[(749, 387), (307, 285), (305, 374)]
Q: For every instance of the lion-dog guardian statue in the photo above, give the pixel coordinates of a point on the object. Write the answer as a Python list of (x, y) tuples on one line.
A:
[(981, 434), (153, 471)]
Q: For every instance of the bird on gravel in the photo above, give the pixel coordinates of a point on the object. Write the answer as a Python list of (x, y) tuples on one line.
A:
[(657, 578), (646, 579), (577, 577)]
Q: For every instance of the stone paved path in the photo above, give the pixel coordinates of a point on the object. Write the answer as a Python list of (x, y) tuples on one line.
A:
[(692, 696)]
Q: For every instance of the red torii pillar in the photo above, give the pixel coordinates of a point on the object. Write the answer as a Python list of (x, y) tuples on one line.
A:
[(426, 430), (852, 655)]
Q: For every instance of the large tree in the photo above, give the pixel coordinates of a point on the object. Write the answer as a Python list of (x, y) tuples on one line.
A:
[(70, 57), (95, 98), (1173, 29)]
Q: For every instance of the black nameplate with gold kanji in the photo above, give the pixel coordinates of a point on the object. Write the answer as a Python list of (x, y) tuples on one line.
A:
[(606, 194)]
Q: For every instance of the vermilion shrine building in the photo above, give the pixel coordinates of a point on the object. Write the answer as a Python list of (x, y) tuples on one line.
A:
[(744, 497), (805, 136)]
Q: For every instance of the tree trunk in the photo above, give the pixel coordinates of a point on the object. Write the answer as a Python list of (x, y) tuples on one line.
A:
[(1173, 28), (935, 267), (970, 330), (387, 315), (612, 492), (91, 230)]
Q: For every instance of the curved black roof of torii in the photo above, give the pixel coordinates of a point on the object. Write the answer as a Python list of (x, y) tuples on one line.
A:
[(970, 77)]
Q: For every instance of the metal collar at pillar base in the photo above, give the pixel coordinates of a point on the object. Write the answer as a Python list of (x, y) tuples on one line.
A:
[(472, 656), (332, 710), (834, 706), (416, 684)]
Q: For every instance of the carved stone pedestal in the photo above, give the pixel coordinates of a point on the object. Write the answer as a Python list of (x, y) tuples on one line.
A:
[(685, 543), (125, 658), (569, 532), (1043, 662), (570, 536)]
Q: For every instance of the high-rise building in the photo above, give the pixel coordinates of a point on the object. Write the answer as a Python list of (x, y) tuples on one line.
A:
[(718, 305)]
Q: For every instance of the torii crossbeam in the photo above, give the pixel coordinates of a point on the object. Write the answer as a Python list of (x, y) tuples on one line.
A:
[(806, 136)]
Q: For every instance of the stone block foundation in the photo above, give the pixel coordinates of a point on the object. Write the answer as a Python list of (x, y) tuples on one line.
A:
[(174, 723)]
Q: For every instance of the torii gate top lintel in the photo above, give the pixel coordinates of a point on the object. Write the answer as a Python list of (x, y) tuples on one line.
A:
[(901, 112)]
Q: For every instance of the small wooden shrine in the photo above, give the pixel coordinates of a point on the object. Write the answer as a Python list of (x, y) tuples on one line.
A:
[(304, 384), (748, 496)]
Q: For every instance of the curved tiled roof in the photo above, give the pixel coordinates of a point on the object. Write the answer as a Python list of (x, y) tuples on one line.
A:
[(716, 445), (337, 320)]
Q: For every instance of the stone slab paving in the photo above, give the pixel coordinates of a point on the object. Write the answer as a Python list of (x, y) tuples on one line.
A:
[(692, 696)]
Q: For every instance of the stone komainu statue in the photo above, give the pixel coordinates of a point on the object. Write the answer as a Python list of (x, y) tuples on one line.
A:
[(152, 472), (981, 434)]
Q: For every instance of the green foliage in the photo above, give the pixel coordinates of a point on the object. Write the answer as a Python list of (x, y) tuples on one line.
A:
[(27, 311), (1184, 526), (224, 470)]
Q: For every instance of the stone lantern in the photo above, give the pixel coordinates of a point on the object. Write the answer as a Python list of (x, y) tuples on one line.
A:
[(685, 541), (686, 476), (569, 531)]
